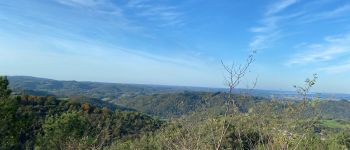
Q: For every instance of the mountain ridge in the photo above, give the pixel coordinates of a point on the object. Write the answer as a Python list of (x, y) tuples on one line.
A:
[(115, 90)]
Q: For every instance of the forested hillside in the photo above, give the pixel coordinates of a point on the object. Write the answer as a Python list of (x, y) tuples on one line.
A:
[(190, 120), (43, 87), (112, 91), (159, 101), (169, 105), (43, 122)]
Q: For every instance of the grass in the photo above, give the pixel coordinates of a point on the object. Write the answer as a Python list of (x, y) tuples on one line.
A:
[(338, 124)]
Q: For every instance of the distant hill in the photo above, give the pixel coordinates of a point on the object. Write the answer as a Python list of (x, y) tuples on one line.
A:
[(162, 101), (168, 105), (43, 87), (113, 91), (294, 95)]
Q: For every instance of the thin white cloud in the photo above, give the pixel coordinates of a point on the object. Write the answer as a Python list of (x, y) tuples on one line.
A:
[(105, 7), (268, 25), (100, 62), (333, 48), (339, 12), (263, 41), (269, 30), (280, 6), (85, 3), (55, 34), (160, 14), (339, 68), (272, 23), (168, 15)]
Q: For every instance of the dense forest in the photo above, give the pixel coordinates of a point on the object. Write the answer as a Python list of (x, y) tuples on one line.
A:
[(161, 101), (43, 122), (113, 91), (43, 87), (177, 104), (158, 118)]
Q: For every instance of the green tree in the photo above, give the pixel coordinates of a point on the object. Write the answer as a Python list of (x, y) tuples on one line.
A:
[(4, 90), (66, 131), (9, 137)]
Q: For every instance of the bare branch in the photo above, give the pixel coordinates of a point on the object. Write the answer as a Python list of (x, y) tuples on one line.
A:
[(234, 75)]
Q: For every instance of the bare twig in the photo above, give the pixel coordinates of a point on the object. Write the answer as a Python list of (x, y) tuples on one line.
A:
[(235, 73)]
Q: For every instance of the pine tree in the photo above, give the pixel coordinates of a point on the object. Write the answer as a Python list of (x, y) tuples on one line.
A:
[(8, 121), (4, 90)]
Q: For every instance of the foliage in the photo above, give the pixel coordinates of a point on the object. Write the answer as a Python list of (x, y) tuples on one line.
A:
[(109, 91), (45, 122), (194, 120), (4, 90), (59, 131), (169, 105)]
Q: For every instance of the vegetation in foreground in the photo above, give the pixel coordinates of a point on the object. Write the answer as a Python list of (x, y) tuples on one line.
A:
[(37, 122), (34, 122)]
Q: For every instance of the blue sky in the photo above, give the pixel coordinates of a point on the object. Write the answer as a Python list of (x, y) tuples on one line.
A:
[(177, 42)]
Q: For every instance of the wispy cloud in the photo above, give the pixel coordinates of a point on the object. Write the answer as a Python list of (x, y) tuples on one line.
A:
[(99, 62), (168, 15), (57, 35), (332, 48), (83, 3), (274, 20), (262, 41), (338, 68), (339, 12), (279, 6), (104, 7), (157, 13), (270, 31)]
